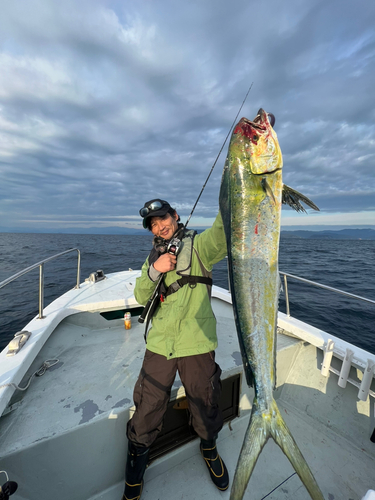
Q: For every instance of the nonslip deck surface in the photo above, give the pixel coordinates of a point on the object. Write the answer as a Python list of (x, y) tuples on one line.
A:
[(342, 471), (99, 363)]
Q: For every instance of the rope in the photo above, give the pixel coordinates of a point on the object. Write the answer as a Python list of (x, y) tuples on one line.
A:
[(5, 472), (41, 371)]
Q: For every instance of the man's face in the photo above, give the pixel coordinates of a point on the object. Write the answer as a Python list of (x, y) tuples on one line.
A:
[(165, 226)]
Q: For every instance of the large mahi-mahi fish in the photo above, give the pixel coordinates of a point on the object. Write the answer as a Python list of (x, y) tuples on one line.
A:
[(251, 196)]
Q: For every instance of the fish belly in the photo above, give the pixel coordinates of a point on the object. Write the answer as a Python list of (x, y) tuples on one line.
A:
[(254, 236)]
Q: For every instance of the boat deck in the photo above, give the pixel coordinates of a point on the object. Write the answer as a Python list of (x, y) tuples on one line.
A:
[(98, 366), (66, 433), (342, 471)]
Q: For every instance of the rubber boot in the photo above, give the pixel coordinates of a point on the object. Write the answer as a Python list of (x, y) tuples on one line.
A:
[(215, 464), (136, 464)]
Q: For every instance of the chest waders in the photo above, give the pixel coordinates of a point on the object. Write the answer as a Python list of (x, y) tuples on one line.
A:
[(183, 269)]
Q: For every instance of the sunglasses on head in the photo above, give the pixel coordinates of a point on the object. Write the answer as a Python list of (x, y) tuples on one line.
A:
[(155, 205)]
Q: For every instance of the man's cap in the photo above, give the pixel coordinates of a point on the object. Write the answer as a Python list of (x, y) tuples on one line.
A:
[(160, 209)]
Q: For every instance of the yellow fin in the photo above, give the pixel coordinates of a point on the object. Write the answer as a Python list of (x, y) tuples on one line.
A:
[(293, 198), (267, 189)]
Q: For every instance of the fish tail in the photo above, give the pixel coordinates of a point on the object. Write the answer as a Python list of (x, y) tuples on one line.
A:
[(283, 437), (257, 434), (262, 426)]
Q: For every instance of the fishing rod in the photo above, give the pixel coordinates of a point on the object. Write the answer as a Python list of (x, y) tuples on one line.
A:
[(221, 149)]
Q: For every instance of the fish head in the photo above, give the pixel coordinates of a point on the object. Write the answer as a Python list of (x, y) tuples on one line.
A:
[(256, 145)]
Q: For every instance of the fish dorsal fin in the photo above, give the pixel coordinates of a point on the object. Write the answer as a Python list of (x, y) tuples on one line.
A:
[(268, 190), (293, 198)]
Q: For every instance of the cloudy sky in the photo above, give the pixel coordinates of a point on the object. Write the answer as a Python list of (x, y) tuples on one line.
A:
[(106, 104)]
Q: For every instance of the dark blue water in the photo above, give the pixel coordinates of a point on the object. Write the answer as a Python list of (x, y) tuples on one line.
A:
[(345, 264)]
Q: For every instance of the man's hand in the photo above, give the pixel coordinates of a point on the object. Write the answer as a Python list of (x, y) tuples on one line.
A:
[(166, 262)]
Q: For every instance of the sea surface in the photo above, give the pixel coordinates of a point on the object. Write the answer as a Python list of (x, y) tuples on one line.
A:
[(348, 265)]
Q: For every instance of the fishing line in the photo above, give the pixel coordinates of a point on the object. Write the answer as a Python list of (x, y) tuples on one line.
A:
[(221, 149), (287, 479)]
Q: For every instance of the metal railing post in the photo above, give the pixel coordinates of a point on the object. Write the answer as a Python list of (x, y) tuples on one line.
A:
[(286, 296), (41, 275), (78, 268), (41, 290)]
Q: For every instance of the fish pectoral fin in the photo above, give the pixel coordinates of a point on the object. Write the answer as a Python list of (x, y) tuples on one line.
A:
[(293, 198), (268, 190)]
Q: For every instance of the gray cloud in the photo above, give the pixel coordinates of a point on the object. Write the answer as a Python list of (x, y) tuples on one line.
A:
[(104, 105)]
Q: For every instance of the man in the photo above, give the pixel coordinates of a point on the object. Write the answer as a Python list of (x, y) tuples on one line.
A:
[(182, 338)]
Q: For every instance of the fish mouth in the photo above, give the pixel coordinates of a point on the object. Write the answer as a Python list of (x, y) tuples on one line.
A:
[(261, 125), (262, 119), (254, 129), (258, 140)]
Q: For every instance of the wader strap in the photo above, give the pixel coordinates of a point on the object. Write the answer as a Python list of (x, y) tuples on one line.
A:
[(206, 274), (187, 280), (161, 291)]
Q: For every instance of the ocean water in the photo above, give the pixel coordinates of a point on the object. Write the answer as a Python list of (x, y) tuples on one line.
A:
[(348, 265)]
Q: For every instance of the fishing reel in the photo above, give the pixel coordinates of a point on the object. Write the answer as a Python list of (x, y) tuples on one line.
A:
[(7, 488), (174, 246), (162, 246)]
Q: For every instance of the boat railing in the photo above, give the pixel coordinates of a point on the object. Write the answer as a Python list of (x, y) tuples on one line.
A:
[(348, 357), (319, 285), (41, 275)]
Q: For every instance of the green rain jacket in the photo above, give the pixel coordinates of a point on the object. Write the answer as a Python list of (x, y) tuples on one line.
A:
[(184, 324)]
